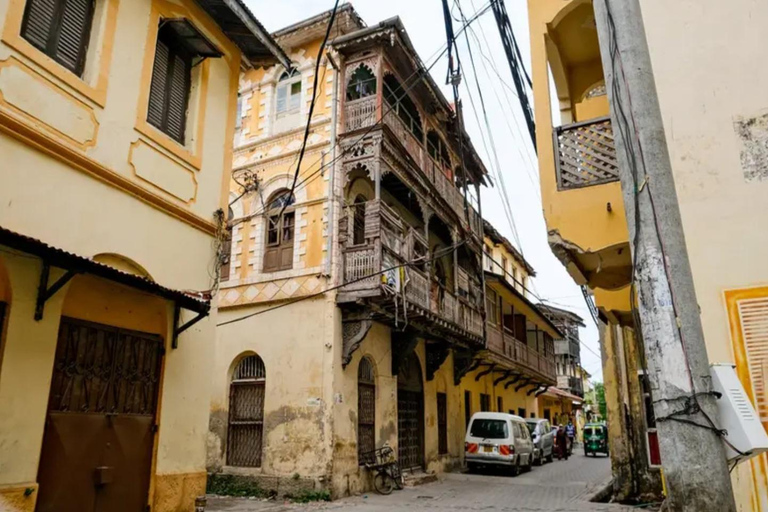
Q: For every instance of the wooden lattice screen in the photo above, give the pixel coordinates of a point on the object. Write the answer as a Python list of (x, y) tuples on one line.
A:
[(586, 154)]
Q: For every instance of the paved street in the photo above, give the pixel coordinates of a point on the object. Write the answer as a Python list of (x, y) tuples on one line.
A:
[(559, 486)]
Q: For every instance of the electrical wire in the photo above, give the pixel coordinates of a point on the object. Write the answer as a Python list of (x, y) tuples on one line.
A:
[(416, 261)]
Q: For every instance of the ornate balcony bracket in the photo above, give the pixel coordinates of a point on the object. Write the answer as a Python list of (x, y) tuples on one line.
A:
[(463, 363), (403, 344), (507, 374), (484, 372), (534, 389), (515, 380), (437, 353), (522, 385), (353, 332), (541, 391)]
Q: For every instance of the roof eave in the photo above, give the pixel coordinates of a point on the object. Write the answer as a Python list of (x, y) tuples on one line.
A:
[(258, 30)]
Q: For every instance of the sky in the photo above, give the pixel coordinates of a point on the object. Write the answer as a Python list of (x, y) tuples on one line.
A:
[(423, 20)]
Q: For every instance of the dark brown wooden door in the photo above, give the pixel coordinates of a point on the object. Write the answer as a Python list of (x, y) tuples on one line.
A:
[(99, 432), (410, 415)]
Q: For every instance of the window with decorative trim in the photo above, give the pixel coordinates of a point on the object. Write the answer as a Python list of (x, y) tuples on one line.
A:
[(288, 93), (278, 251), (366, 408), (246, 413), (61, 29), (361, 84)]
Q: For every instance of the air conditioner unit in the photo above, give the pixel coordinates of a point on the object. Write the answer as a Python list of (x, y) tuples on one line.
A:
[(737, 416)]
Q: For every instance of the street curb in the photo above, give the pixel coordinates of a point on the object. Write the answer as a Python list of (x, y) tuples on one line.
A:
[(603, 492)]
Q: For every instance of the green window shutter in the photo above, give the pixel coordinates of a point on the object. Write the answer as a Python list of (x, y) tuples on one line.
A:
[(74, 34)]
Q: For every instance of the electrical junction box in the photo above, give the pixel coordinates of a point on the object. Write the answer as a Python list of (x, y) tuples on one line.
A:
[(737, 416)]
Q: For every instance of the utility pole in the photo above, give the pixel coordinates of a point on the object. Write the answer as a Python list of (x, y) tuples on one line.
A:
[(692, 452)]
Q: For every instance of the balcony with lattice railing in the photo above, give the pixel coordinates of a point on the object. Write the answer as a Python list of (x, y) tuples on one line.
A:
[(585, 154)]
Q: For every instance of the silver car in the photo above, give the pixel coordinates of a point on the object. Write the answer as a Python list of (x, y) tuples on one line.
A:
[(543, 440)]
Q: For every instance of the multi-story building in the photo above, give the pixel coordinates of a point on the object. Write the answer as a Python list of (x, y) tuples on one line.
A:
[(115, 123), (567, 349), (713, 113), (353, 314)]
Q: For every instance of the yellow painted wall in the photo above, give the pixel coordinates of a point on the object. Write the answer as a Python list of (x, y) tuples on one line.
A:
[(579, 215), (83, 171), (512, 400)]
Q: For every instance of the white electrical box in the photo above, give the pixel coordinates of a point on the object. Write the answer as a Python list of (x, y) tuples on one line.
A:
[(737, 416)]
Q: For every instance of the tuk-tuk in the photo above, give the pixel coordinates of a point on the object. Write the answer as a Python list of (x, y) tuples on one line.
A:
[(595, 438)]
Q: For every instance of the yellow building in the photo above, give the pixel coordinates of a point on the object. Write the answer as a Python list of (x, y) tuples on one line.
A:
[(585, 217), (714, 120), (352, 317), (115, 125)]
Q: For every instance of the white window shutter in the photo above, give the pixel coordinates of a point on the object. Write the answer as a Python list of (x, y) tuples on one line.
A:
[(282, 98), (753, 315)]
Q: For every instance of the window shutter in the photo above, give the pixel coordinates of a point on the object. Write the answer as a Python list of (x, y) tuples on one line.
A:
[(295, 95), (282, 98), (753, 314), (177, 97), (73, 34), (158, 87), (38, 22)]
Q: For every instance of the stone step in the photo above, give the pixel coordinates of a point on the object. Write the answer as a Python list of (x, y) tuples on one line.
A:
[(414, 478)]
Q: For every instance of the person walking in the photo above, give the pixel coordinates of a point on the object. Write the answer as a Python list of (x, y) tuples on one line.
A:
[(562, 443), (570, 432)]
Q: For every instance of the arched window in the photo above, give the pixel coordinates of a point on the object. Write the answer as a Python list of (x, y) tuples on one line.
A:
[(401, 103), (278, 253), (361, 84), (289, 93), (366, 408), (358, 221), (437, 149), (246, 413)]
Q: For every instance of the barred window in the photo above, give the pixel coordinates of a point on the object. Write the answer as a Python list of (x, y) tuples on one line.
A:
[(366, 408), (246, 413)]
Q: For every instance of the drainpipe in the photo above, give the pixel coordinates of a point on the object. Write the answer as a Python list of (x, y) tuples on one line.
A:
[(332, 182)]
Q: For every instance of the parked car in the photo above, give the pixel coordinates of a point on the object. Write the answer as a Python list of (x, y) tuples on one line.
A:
[(498, 439), (595, 438), (543, 440)]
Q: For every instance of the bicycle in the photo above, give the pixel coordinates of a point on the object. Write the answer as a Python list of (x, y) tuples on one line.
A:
[(388, 474)]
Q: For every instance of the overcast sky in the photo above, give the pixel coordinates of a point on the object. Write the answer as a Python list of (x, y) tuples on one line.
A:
[(423, 19)]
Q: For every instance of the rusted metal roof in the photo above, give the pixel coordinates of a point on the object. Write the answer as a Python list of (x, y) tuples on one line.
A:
[(241, 26), (72, 262)]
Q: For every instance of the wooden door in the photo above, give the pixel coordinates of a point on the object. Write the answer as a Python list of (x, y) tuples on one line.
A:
[(100, 427), (410, 415)]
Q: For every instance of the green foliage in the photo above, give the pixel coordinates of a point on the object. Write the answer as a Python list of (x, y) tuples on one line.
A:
[(233, 485), (600, 397), (309, 496)]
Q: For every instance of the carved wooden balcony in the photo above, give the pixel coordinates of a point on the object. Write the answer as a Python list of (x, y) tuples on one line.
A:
[(571, 384), (375, 257), (530, 361), (585, 154)]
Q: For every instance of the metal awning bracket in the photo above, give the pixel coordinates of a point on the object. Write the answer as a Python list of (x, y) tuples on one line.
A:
[(177, 330), (44, 292)]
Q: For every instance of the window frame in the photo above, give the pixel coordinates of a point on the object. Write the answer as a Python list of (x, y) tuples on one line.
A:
[(54, 35), (175, 50), (287, 82), (280, 245)]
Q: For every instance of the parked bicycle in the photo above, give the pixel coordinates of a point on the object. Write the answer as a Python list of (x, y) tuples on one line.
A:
[(383, 462)]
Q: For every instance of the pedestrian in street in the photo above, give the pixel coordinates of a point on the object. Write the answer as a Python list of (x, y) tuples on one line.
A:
[(570, 431), (562, 443)]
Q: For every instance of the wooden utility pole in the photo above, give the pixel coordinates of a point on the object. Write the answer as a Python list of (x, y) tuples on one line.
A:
[(692, 452)]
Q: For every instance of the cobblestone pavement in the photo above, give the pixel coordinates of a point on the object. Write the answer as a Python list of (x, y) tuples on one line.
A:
[(562, 486)]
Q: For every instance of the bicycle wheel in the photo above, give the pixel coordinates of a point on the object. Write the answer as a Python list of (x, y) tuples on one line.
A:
[(397, 477), (383, 483)]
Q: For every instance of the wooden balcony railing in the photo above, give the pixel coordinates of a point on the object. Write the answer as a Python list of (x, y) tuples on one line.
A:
[(504, 343), (570, 384), (585, 154), (387, 242), (360, 113)]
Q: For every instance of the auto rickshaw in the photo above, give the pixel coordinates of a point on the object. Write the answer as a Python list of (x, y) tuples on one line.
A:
[(595, 438)]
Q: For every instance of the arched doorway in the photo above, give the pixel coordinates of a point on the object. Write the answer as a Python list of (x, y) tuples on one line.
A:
[(410, 414), (246, 413)]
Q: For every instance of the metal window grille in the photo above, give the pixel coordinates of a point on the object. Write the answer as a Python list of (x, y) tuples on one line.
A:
[(442, 423), (246, 413), (366, 408)]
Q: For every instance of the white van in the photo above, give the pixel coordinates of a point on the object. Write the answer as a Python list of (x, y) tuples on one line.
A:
[(498, 439)]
